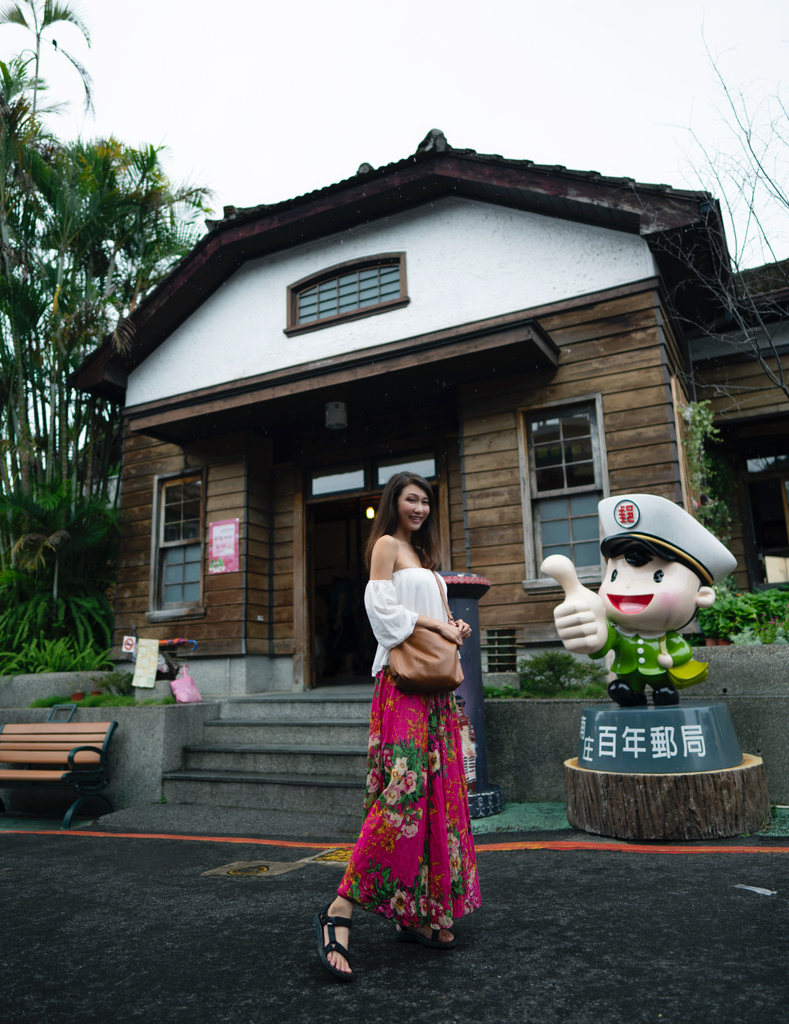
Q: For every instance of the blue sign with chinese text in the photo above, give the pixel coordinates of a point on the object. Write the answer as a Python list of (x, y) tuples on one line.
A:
[(688, 737)]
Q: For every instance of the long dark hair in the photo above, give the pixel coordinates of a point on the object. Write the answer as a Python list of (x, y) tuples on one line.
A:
[(425, 539)]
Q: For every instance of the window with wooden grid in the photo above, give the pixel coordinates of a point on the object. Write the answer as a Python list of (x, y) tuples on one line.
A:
[(566, 480), (346, 292), (178, 548)]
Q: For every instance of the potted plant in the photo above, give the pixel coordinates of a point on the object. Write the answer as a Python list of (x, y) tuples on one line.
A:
[(758, 613)]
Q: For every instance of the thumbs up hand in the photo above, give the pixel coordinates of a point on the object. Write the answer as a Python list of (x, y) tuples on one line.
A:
[(580, 619)]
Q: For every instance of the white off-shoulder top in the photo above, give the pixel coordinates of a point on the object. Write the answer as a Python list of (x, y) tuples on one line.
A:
[(393, 607)]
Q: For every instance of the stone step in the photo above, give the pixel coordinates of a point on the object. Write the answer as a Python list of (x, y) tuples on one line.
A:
[(298, 707), (278, 759), (324, 732), (327, 794)]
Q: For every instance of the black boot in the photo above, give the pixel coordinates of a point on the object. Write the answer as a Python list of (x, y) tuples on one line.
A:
[(624, 695), (664, 695)]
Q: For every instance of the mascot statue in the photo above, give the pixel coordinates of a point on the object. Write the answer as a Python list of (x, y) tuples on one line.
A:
[(661, 564)]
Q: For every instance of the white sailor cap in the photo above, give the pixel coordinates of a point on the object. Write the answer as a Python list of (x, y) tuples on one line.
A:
[(672, 531)]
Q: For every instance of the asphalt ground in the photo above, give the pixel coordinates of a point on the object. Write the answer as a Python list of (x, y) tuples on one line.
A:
[(116, 923)]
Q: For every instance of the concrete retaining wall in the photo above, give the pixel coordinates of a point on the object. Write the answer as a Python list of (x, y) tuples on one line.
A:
[(528, 740), (19, 691)]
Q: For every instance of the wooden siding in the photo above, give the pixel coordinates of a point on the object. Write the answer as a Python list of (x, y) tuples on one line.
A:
[(741, 390), (260, 534), (220, 630), (283, 490), (620, 349)]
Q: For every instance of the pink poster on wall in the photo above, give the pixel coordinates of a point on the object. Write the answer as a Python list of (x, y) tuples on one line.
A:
[(223, 546)]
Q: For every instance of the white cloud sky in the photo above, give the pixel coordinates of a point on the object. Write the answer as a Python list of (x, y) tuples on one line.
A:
[(264, 101)]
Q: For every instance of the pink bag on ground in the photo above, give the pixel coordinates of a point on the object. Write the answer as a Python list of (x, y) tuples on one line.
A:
[(184, 689)]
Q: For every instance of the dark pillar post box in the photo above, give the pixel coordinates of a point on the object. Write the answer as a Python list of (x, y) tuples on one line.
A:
[(464, 591)]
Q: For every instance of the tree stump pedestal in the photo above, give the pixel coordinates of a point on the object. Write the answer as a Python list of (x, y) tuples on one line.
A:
[(664, 773)]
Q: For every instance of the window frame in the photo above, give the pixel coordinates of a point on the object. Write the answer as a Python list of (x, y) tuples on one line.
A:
[(532, 544), (370, 467), (384, 259), (158, 611)]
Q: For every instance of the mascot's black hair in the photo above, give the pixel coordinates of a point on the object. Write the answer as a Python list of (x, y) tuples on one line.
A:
[(640, 550)]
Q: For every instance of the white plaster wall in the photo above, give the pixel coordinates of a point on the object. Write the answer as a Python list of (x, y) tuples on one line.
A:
[(465, 261)]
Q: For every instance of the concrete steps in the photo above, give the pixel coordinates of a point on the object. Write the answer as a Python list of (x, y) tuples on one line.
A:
[(328, 794), (299, 707), (282, 752), (323, 732), (278, 759)]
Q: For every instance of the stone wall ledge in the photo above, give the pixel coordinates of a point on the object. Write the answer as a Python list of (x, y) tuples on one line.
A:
[(758, 671), (528, 740), (20, 691)]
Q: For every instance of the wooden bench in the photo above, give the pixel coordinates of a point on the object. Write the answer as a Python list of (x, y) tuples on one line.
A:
[(58, 754)]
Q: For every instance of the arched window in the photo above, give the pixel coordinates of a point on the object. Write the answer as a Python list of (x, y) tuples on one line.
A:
[(347, 291)]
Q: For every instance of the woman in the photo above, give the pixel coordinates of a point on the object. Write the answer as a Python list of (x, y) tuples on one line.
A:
[(414, 859)]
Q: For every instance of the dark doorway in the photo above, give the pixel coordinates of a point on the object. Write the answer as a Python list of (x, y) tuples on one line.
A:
[(343, 646), (769, 509)]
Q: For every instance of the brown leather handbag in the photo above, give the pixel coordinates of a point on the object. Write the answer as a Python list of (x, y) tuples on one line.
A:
[(425, 662)]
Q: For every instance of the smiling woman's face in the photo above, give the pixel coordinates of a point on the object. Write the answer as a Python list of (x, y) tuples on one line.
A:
[(651, 598), (413, 508)]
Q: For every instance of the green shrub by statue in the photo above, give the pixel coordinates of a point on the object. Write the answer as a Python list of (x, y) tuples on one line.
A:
[(554, 674), (753, 617)]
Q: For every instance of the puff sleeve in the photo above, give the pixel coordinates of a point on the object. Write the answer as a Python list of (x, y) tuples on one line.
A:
[(391, 621)]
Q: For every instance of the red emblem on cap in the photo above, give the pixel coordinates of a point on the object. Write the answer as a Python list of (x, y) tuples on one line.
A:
[(626, 514)]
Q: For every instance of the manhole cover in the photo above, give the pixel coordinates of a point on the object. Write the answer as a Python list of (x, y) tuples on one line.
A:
[(256, 868)]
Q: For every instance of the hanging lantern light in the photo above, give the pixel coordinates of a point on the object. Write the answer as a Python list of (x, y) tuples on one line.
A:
[(336, 415)]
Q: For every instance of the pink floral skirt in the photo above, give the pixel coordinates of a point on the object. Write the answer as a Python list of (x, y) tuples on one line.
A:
[(414, 859)]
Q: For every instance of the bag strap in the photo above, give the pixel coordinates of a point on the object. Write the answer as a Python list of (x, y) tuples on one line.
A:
[(450, 617)]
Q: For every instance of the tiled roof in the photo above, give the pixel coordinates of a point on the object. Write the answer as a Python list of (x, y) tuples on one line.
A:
[(435, 141)]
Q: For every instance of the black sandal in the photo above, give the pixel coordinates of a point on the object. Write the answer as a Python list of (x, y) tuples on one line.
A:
[(326, 920), (432, 940)]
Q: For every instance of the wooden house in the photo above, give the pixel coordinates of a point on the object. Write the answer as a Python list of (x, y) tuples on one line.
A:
[(512, 331), (741, 367)]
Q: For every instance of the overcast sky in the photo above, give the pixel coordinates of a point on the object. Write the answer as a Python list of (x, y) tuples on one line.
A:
[(263, 101)]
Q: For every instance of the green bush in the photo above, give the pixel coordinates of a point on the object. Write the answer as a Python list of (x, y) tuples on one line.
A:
[(770, 633), (63, 655), (555, 674), (763, 612), (57, 557), (108, 701), (28, 613), (116, 683), (502, 691), (561, 674)]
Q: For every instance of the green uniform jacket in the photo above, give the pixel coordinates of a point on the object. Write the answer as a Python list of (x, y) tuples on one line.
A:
[(635, 658)]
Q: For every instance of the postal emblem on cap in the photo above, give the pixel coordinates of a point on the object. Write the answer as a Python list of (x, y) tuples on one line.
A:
[(626, 514)]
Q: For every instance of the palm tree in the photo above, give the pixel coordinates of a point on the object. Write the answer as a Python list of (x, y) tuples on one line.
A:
[(21, 163), (112, 225), (61, 564), (39, 17)]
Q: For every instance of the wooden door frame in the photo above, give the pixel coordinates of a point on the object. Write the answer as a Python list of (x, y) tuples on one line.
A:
[(303, 676), (301, 664)]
